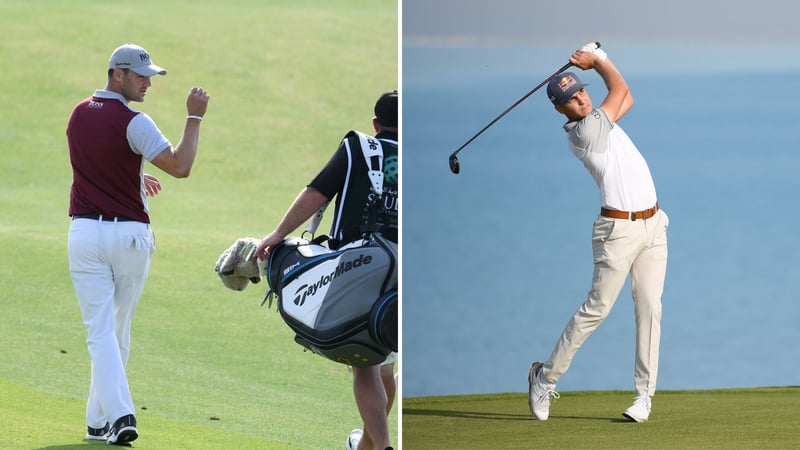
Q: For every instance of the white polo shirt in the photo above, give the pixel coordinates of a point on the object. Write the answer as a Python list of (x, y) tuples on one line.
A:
[(620, 171)]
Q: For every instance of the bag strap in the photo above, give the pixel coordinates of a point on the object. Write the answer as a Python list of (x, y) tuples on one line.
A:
[(373, 155), (372, 150), (313, 224)]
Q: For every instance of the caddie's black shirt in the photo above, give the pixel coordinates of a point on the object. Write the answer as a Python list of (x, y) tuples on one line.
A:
[(345, 176)]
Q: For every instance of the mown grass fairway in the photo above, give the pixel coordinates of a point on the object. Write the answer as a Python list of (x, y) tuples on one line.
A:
[(209, 367), (726, 419)]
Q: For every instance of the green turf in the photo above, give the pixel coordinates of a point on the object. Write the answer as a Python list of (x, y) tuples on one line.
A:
[(765, 418), (23, 409), (209, 367)]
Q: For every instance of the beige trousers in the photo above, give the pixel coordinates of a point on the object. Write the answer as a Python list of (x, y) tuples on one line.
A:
[(621, 247)]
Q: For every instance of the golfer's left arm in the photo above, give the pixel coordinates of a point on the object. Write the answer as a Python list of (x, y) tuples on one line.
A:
[(619, 99)]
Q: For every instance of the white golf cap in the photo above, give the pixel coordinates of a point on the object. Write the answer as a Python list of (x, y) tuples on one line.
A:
[(131, 56)]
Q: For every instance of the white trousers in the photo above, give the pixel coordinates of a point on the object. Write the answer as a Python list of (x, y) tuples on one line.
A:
[(108, 262), (621, 247)]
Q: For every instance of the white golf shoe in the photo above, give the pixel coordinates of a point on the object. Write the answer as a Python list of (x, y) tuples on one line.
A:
[(353, 439), (539, 392), (640, 410)]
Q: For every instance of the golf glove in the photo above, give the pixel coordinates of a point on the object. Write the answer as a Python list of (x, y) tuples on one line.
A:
[(592, 47)]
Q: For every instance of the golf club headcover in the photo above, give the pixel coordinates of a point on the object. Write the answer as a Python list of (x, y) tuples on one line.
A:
[(592, 47), (236, 267)]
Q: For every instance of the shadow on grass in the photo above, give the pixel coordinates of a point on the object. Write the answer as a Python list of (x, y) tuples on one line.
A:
[(483, 415), (65, 447), (84, 444), (464, 414)]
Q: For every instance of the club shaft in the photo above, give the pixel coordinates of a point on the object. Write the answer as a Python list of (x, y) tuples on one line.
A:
[(563, 68)]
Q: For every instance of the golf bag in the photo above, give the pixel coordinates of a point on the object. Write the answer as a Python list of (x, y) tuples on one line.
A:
[(341, 304)]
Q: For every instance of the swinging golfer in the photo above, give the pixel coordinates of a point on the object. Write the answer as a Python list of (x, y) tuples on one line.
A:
[(629, 235)]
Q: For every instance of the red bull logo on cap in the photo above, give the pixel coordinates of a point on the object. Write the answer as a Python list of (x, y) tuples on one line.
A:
[(566, 82), (562, 87)]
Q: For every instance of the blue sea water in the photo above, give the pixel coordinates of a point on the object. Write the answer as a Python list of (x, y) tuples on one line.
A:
[(497, 258)]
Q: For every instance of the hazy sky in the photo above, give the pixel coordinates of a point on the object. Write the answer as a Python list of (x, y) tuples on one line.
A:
[(537, 22)]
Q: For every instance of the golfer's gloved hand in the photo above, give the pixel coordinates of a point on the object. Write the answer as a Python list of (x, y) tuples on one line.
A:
[(592, 47)]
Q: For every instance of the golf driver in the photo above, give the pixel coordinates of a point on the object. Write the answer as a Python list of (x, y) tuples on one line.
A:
[(455, 165)]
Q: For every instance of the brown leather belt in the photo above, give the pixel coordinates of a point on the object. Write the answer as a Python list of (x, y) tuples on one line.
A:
[(629, 215)]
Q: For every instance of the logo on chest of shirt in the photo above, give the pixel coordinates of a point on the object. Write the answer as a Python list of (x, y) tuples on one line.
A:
[(391, 170)]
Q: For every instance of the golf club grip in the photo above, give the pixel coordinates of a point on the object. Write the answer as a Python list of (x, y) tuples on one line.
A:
[(563, 68)]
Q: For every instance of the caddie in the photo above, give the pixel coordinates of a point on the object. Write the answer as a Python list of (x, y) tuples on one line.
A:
[(346, 177)]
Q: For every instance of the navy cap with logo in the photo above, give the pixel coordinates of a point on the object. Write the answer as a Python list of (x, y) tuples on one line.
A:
[(563, 86), (386, 109), (133, 57)]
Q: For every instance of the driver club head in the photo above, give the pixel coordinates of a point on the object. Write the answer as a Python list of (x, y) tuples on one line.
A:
[(455, 167)]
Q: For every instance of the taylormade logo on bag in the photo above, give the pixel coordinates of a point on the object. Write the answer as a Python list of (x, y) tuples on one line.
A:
[(309, 290)]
